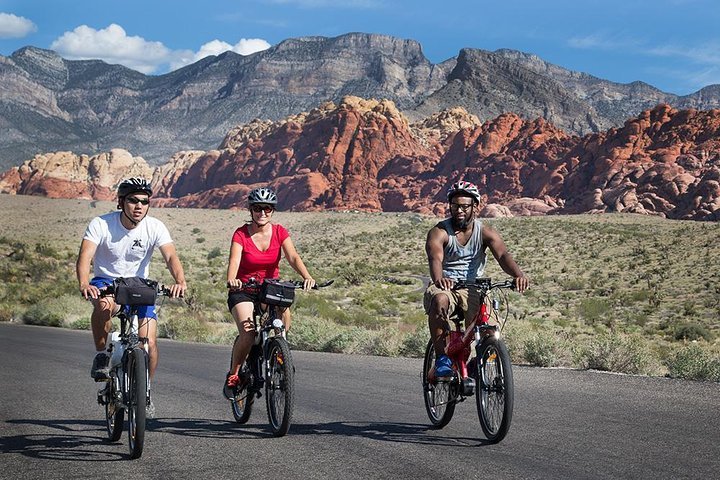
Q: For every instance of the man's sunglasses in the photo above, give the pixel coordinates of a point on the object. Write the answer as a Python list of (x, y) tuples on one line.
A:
[(461, 206), (262, 208), (135, 201)]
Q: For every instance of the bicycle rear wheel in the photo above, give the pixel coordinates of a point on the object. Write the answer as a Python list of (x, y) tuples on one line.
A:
[(279, 387), (136, 400), (114, 413), (495, 395), (242, 399), (439, 396)]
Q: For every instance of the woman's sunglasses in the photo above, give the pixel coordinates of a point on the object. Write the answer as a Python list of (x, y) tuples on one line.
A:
[(135, 201), (262, 208)]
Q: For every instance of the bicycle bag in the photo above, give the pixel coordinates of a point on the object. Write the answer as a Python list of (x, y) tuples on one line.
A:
[(275, 292), (135, 291)]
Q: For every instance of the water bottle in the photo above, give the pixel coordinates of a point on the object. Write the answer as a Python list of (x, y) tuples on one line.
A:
[(116, 349)]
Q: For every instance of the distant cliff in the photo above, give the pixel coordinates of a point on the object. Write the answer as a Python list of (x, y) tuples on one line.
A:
[(366, 155), (49, 104)]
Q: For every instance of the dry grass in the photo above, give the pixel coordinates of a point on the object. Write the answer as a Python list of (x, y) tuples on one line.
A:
[(644, 277)]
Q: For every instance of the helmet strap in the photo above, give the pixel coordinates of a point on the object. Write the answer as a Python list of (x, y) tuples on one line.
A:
[(129, 218)]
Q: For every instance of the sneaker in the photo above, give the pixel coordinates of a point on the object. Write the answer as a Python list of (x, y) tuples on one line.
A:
[(231, 381), (100, 370), (150, 410), (443, 366)]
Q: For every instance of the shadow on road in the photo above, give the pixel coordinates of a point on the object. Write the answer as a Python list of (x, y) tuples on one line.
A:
[(387, 432), (81, 441)]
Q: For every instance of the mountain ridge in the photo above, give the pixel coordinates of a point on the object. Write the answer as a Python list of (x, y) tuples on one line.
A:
[(88, 106)]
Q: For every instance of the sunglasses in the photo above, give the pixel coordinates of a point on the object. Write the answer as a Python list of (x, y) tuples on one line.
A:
[(461, 206), (262, 208), (135, 201)]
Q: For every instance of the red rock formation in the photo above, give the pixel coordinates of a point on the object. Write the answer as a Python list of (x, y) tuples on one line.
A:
[(363, 154)]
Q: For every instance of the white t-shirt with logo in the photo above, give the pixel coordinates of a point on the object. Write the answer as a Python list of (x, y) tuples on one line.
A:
[(122, 252)]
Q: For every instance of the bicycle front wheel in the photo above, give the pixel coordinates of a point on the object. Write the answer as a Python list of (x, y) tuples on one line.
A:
[(495, 395), (279, 386), (136, 400), (439, 398)]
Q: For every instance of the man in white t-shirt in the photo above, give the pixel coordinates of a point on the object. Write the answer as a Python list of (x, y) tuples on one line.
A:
[(121, 244)]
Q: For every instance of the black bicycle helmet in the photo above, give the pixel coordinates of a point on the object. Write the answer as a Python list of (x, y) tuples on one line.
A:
[(262, 195), (134, 185), (462, 186)]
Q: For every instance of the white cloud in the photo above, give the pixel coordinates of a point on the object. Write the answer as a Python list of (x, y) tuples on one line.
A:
[(12, 26), (114, 45), (245, 46)]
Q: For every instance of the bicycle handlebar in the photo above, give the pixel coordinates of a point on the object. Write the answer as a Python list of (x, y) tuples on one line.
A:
[(296, 284), (485, 284), (161, 289)]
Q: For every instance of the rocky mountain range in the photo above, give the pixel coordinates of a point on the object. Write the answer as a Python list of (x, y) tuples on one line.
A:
[(367, 155), (50, 104)]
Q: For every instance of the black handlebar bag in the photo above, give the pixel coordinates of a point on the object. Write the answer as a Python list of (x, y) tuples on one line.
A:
[(278, 293), (135, 291)]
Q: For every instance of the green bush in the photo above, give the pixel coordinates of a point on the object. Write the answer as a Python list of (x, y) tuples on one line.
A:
[(187, 326), (542, 350), (692, 362), (615, 353), (414, 343), (56, 311), (593, 310), (692, 331), (214, 253)]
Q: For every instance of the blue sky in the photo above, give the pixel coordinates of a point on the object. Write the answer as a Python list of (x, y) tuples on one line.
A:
[(671, 44)]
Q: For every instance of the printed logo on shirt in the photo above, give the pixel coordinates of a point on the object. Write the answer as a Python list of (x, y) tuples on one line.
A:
[(137, 243)]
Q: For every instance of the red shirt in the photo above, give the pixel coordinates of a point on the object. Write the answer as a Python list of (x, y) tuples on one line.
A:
[(256, 263)]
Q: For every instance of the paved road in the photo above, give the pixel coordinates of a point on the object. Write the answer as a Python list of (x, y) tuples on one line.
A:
[(356, 417)]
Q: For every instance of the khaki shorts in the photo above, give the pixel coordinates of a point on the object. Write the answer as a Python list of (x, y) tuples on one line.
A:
[(458, 298)]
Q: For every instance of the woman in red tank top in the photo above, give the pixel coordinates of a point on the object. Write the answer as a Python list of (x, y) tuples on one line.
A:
[(255, 252)]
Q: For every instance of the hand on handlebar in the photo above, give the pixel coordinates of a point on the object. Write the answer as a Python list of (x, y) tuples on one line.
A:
[(89, 291), (522, 283), (234, 284), (308, 283), (444, 283), (177, 290)]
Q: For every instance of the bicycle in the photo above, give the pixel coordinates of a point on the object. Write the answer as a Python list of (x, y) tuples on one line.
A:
[(128, 386), (269, 364), (490, 372)]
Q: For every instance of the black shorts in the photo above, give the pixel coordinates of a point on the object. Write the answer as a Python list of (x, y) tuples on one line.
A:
[(239, 296)]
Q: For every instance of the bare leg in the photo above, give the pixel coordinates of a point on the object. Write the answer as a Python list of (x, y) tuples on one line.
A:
[(100, 321), (437, 322), (286, 318), (242, 313), (148, 329)]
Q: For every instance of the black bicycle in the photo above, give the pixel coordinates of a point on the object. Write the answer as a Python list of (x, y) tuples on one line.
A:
[(128, 386), (490, 372), (269, 364)]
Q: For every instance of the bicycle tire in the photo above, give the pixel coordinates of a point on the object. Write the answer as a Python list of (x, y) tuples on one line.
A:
[(136, 400), (279, 386), (439, 397), (242, 399), (495, 389), (114, 414)]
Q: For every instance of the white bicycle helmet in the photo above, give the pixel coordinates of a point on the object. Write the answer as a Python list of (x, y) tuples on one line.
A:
[(262, 195), (462, 186)]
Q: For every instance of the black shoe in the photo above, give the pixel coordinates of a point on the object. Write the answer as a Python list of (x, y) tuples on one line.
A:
[(100, 370)]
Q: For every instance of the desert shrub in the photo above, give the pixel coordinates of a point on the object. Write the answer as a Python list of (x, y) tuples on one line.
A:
[(692, 362), (43, 313), (214, 253), (311, 333), (81, 324), (55, 311), (186, 326), (615, 353), (692, 331), (543, 349), (414, 343), (593, 310)]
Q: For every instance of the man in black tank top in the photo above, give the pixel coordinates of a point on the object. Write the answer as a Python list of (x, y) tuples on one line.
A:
[(453, 255)]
